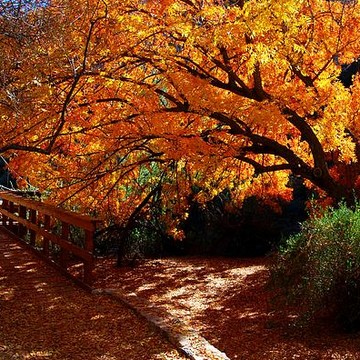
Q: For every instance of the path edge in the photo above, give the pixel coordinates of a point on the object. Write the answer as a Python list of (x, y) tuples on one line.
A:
[(186, 340)]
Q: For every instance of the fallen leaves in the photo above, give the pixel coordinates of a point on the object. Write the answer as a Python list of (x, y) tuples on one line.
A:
[(63, 322), (227, 301)]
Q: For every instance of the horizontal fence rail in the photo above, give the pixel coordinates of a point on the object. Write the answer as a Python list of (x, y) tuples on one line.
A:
[(66, 238)]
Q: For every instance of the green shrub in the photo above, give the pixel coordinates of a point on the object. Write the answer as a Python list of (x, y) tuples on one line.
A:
[(318, 269), (143, 240)]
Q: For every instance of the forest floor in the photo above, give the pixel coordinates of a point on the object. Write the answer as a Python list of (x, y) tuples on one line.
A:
[(45, 316), (229, 303)]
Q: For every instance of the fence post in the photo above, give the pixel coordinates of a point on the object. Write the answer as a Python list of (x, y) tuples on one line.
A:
[(32, 232), (22, 230), (5, 205), (89, 265), (45, 239), (11, 209), (64, 254)]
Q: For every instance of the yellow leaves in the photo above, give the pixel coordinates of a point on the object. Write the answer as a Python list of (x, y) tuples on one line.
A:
[(260, 53), (335, 120), (214, 14), (154, 84), (184, 29), (266, 115), (299, 48), (269, 17)]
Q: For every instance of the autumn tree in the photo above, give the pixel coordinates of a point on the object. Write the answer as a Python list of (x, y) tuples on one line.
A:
[(116, 99)]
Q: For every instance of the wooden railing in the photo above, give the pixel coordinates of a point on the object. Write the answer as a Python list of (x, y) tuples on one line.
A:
[(64, 237)]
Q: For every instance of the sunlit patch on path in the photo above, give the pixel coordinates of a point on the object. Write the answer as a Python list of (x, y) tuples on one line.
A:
[(227, 301)]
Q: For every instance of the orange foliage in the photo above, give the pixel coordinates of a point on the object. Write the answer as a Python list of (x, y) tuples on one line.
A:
[(109, 99)]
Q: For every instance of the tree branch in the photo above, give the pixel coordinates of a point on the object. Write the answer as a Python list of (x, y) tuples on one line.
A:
[(261, 169)]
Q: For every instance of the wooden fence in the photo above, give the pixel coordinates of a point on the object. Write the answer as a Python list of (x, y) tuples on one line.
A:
[(63, 237)]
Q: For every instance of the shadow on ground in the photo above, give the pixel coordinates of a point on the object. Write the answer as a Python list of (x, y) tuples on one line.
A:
[(45, 316), (228, 302)]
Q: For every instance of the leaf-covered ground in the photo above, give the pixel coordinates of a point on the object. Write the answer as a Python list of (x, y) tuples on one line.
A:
[(45, 316), (228, 302)]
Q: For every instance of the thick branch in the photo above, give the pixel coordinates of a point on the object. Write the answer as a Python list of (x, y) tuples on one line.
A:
[(260, 168), (309, 136), (202, 74), (259, 91), (264, 145), (33, 149), (307, 80)]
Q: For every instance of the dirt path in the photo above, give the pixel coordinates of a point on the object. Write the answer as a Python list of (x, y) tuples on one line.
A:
[(44, 316), (227, 301)]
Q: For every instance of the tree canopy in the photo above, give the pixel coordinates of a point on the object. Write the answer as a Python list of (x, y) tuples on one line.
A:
[(104, 104)]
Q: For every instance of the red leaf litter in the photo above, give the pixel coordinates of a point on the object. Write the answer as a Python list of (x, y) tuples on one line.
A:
[(45, 316), (228, 302)]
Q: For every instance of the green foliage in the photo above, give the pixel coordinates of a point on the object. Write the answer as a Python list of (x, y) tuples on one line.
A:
[(146, 239), (319, 268), (216, 229)]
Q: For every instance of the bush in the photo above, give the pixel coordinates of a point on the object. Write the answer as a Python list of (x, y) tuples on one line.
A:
[(319, 268), (143, 240)]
